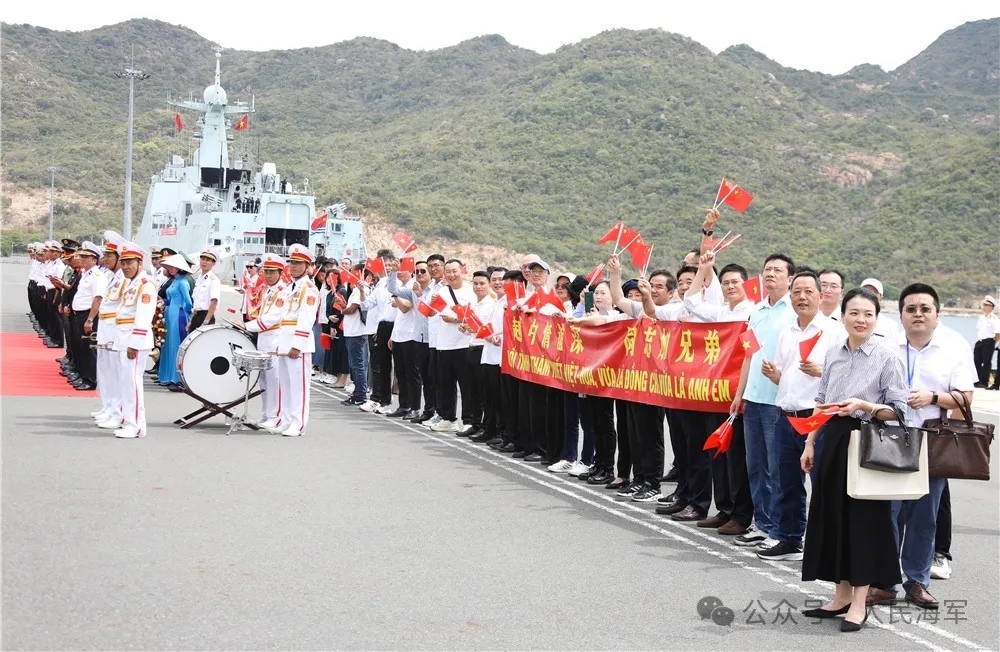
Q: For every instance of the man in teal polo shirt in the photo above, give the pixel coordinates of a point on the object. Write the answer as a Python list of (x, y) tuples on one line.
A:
[(758, 394)]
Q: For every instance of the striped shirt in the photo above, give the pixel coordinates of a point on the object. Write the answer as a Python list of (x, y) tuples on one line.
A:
[(872, 372)]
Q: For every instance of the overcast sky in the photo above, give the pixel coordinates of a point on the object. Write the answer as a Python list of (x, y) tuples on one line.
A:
[(829, 37)]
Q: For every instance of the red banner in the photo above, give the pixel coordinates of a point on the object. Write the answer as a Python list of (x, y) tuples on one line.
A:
[(683, 365)]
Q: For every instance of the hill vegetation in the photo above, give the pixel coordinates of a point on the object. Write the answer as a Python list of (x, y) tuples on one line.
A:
[(891, 174)]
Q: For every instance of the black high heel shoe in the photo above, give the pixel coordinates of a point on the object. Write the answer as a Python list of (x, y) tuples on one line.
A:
[(848, 626), (825, 613)]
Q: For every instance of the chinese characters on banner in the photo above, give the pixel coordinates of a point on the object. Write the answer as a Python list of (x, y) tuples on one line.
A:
[(683, 365)]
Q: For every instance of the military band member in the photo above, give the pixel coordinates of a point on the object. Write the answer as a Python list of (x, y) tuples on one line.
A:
[(134, 339), (267, 326), (207, 290), (110, 414), (296, 343)]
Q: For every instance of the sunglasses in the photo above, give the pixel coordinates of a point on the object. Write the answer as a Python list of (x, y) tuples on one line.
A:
[(564, 286), (421, 271)]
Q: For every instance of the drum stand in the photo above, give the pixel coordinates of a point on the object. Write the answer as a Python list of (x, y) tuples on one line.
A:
[(240, 422), (211, 409)]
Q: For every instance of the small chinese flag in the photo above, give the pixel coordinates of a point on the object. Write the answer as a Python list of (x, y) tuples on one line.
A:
[(734, 196), (614, 235), (438, 303), (177, 121), (484, 332), (749, 341), (595, 275), (407, 264), (424, 309), (514, 292), (805, 425), (375, 266), (465, 269), (551, 298), (472, 321), (243, 123), (339, 303), (722, 436), (461, 311), (753, 289), (404, 242), (806, 346), (641, 253), (347, 277)]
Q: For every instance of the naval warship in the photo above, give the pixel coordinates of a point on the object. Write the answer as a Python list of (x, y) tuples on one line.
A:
[(242, 209)]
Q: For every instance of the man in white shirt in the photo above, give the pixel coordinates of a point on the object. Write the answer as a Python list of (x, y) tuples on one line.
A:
[(939, 367), (406, 336), (987, 336), (383, 313), (207, 291), (831, 282), (483, 309), (453, 352), (429, 365), (86, 307), (358, 325), (885, 326), (798, 379)]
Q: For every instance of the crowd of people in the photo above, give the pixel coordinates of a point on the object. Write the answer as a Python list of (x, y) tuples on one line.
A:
[(365, 328)]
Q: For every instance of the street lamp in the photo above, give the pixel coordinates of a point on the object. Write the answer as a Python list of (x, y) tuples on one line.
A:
[(133, 75), (52, 198)]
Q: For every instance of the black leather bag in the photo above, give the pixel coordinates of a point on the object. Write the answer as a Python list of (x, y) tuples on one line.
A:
[(959, 449), (893, 449)]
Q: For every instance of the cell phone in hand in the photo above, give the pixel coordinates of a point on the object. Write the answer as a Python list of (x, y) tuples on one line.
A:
[(588, 301)]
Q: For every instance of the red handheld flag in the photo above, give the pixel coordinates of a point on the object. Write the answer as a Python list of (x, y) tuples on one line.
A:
[(484, 332), (514, 292), (595, 275), (404, 242), (461, 311), (725, 245), (375, 266), (614, 235), (750, 343), (725, 438), (551, 298), (339, 303), (407, 264), (722, 434), (806, 346), (753, 289), (178, 123), (472, 321), (347, 277), (438, 303), (734, 196), (424, 309), (805, 425), (243, 123), (641, 253)]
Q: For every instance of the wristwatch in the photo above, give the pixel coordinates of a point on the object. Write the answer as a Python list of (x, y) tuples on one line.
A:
[(704, 232), (934, 397)]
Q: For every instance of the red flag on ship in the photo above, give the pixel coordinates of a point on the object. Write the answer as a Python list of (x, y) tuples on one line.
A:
[(177, 121), (243, 123), (319, 223)]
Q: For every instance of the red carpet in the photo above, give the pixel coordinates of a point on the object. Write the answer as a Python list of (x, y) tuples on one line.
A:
[(28, 368)]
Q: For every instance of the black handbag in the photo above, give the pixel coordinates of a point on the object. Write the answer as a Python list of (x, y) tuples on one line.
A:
[(894, 449)]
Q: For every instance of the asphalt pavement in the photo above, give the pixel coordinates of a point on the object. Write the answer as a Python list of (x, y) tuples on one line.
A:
[(368, 534)]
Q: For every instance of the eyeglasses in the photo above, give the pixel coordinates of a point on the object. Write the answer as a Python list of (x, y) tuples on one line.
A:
[(830, 286), (924, 310), (421, 271)]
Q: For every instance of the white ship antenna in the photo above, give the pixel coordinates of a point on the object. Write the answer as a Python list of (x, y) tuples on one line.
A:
[(218, 70)]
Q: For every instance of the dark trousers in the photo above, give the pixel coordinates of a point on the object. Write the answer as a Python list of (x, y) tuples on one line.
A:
[(84, 357), (739, 481), (722, 489), (790, 489), (524, 441), (427, 366), (624, 466), (381, 364), (453, 377), (69, 344), (646, 434), (53, 318), (586, 419), (982, 354), (510, 388), (942, 536), (474, 355), (404, 356), (490, 388), (694, 471), (602, 416), (545, 417), (198, 319), (571, 426)]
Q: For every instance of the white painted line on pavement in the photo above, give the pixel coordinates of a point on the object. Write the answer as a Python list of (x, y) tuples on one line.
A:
[(542, 477)]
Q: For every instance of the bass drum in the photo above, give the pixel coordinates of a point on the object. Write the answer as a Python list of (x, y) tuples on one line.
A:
[(204, 361)]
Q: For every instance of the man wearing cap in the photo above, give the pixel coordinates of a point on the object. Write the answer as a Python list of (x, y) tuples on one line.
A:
[(66, 289), (267, 327), (52, 271), (86, 306), (295, 344), (207, 290), (159, 274), (885, 326), (110, 414), (246, 286), (987, 337), (134, 340)]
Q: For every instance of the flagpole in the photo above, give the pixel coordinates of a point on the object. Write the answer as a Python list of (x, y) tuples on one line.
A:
[(629, 244), (643, 273), (723, 201), (618, 238), (718, 192)]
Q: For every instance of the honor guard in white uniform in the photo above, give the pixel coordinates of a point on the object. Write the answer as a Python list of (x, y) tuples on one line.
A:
[(207, 290), (296, 344), (268, 326), (110, 414), (134, 339)]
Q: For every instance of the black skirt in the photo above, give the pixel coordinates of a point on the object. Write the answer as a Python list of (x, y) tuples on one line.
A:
[(847, 539)]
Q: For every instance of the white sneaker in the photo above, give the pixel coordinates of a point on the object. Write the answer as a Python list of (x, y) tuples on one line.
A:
[(99, 413), (577, 469), (386, 409), (752, 538), (292, 433), (326, 380), (562, 466), (267, 424), (349, 388), (128, 433), (445, 426), (941, 568), (111, 424), (369, 406), (278, 429), (767, 543), (433, 421)]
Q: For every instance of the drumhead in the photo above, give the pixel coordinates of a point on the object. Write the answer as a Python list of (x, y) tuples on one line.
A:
[(204, 362)]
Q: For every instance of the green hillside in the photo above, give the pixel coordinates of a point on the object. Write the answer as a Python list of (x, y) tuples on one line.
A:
[(891, 174)]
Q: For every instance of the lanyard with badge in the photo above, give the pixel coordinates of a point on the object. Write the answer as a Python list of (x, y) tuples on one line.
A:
[(911, 414)]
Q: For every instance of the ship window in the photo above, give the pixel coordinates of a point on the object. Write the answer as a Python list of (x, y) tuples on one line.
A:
[(187, 210), (215, 226), (338, 228)]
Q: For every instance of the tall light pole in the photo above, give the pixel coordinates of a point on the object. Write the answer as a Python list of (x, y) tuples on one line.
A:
[(133, 75), (52, 198)]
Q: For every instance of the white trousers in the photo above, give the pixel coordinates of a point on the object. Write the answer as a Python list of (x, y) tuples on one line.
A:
[(271, 398), (130, 387), (107, 383), (294, 376)]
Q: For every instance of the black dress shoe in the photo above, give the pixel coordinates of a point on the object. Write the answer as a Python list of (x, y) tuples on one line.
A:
[(62, 360), (400, 412), (616, 484), (78, 383), (534, 457), (509, 447), (496, 442), (520, 454), (671, 509), (603, 476), (671, 475), (423, 416), (175, 387), (482, 437), (823, 613), (83, 387), (848, 626), (586, 474)]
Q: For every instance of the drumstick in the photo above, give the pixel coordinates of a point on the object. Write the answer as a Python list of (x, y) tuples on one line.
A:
[(236, 325)]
